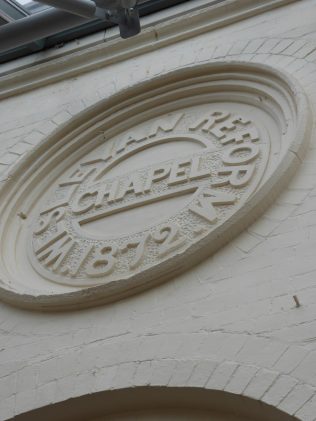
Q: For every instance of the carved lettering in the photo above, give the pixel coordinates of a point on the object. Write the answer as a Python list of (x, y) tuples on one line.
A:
[(129, 140), (77, 177), (132, 185), (79, 263), (106, 157), (95, 198), (55, 250), (239, 137), (56, 254), (61, 232), (103, 262), (169, 238), (238, 176), (155, 175), (79, 208), (140, 251), (208, 121), (165, 125), (45, 221), (61, 203), (66, 244), (204, 206), (196, 173), (108, 192), (178, 173), (220, 130), (232, 156)]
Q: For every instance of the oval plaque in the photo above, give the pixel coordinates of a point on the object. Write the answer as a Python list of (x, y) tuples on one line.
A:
[(125, 198)]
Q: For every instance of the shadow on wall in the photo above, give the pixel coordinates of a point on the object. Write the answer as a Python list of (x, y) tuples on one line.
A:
[(158, 403)]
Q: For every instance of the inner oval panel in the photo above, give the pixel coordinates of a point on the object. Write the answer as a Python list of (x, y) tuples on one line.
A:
[(155, 154), (132, 220)]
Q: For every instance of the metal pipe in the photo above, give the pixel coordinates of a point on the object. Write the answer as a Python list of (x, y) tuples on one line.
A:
[(51, 21), (84, 8), (35, 27)]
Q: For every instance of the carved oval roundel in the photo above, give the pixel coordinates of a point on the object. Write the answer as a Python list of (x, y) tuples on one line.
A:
[(148, 183)]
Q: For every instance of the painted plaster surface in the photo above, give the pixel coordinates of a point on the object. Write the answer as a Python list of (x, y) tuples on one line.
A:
[(229, 323)]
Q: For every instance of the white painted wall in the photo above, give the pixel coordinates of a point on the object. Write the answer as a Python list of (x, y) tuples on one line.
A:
[(230, 323)]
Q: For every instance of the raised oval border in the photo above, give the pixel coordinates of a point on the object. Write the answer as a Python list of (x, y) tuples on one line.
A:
[(122, 106)]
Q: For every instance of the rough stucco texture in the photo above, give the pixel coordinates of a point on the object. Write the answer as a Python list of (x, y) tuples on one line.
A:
[(230, 323)]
